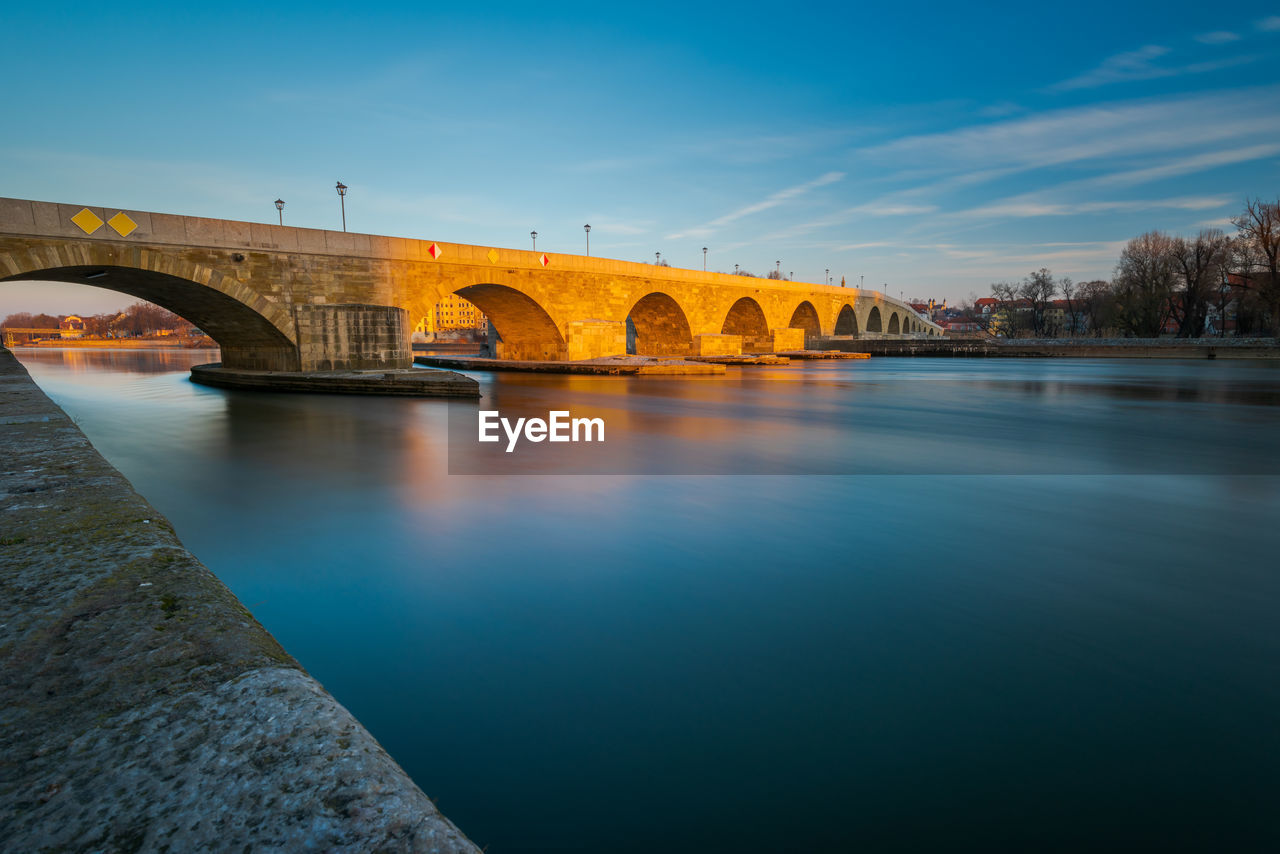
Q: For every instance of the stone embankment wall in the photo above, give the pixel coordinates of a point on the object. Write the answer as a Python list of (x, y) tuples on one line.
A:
[(1080, 348), (141, 705)]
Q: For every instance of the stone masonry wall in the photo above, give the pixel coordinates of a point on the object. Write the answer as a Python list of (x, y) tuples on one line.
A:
[(352, 337), (141, 705)]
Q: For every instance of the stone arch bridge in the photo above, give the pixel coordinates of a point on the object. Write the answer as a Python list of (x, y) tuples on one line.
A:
[(297, 299)]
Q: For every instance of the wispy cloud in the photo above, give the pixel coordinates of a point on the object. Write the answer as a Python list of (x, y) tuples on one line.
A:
[(765, 204), (1269, 25), (1022, 208), (1218, 37), (1122, 67), (1085, 134), (1188, 165), (1141, 64)]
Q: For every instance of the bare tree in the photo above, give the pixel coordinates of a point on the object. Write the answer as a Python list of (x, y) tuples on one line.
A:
[(1143, 284), (1259, 225), (1006, 319), (1038, 290), (1200, 263), (1071, 294), (1098, 305)]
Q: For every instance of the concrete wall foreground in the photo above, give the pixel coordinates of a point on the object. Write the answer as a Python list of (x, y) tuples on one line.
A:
[(141, 706)]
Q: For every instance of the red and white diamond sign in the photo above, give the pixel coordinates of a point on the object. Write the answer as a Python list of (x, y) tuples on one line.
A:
[(435, 251), (544, 260)]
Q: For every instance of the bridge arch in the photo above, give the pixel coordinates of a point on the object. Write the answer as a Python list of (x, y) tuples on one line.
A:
[(847, 321), (873, 320), (893, 323), (806, 317), (524, 328), (746, 318), (658, 326), (253, 332)]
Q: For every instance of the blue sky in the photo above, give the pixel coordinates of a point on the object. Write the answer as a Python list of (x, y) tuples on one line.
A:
[(931, 149)]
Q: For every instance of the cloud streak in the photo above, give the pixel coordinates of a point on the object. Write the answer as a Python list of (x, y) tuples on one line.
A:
[(772, 201)]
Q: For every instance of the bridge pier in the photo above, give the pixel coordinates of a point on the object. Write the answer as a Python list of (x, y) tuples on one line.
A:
[(788, 338), (717, 345), (595, 339), (351, 338)]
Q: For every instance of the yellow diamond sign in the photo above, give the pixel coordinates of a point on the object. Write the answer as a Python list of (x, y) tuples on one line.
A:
[(87, 220), (123, 225), (493, 256)]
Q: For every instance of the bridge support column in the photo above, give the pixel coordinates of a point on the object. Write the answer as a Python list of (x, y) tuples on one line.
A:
[(717, 345), (595, 339), (788, 338), (352, 337)]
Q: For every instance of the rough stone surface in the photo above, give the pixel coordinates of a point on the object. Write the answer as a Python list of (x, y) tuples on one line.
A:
[(144, 709)]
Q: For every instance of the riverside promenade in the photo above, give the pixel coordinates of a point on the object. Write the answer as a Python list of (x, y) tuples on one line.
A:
[(142, 707)]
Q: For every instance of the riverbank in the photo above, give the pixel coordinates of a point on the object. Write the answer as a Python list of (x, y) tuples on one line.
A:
[(168, 342), (1078, 348), (144, 707)]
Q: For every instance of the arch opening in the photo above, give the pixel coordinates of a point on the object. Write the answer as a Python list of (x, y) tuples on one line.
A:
[(657, 326), (806, 317), (847, 321), (519, 328), (453, 324), (873, 320), (746, 318), (249, 339), (893, 323)]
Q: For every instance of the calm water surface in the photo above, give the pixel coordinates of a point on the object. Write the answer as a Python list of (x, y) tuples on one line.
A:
[(935, 653)]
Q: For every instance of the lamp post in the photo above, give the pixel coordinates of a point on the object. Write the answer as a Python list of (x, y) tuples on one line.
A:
[(587, 229), (704, 259), (777, 268), (342, 198), (657, 258), (534, 235), (791, 276), (735, 269), (860, 282), (828, 275), (280, 209)]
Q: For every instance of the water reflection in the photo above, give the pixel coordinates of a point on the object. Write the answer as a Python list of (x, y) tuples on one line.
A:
[(632, 663)]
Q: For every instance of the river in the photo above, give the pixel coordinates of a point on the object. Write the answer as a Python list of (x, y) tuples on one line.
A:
[(898, 605)]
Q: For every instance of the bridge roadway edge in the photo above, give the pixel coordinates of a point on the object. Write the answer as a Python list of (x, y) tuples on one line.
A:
[(144, 708)]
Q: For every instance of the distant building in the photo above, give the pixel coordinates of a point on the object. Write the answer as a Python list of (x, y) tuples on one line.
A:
[(72, 326), (453, 312)]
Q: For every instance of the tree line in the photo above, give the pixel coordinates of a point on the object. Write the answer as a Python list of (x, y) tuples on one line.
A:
[(1162, 282), (141, 318)]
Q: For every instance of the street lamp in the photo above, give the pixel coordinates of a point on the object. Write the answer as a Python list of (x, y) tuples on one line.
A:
[(735, 269), (828, 275), (657, 258), (587, 229), (342, 197), (704, 259), (534, 235), (280, 209), (860, 282), (778, 268)]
